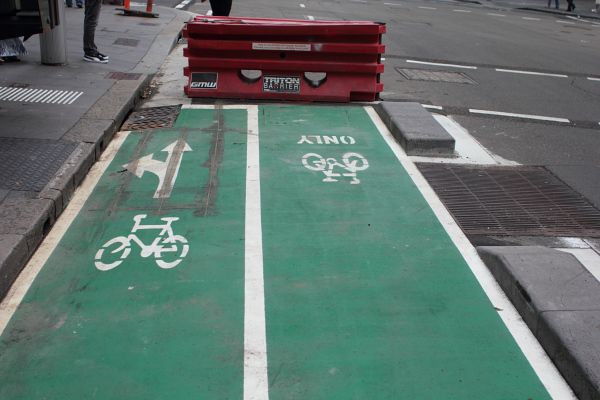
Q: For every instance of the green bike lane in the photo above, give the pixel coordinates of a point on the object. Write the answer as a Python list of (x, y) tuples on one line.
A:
[(299, 262)]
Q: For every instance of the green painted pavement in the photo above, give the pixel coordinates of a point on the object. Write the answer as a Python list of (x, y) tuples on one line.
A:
[(139, 331), (366, 296)]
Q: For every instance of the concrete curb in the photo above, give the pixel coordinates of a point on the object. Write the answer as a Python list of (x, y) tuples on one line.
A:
[(559, 299), (31, 219), (415, 129)]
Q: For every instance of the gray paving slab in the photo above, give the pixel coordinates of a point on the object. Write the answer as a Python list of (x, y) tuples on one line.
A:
[(559, 299), (13, 255), (415, 129)]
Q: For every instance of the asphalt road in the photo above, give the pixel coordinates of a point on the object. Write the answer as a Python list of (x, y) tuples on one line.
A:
[(535, 76)]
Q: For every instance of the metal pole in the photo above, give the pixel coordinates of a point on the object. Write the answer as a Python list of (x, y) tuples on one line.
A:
[(53, 46)]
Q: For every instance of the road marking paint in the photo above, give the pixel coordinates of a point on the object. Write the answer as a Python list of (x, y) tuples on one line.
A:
[(441, 64), (393, 4), (9, 305), (514, 71), (535, 354), (427, 8), (256, 382), (183, 4), (593, 79), (432, 107), (531, 19), (310, 17), (514, 115), (496, 15), (588, 258), (565, 22), (302, 6), (462, 11)]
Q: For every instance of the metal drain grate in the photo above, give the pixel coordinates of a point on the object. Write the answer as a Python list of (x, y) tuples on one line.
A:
[(523, 201), (152, 118), (28, 164), (126, 42), (434, 76), (123, 76)]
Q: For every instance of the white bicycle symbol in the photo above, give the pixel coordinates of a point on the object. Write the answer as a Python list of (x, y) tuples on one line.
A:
[(165, 242), (351, 162)]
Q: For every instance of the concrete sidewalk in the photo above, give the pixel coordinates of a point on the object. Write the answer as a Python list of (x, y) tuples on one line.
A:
[(56, 120)]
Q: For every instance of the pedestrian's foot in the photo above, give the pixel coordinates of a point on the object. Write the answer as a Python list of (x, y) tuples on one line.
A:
[(96, 58), (79, 5), (70, 5), (11, 59)]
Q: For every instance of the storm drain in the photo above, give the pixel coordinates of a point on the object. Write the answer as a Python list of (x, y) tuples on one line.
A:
[(126, 42), (152, 118), (28, 95), (123, 76), (513, 201), (29, 164), (434, 76)]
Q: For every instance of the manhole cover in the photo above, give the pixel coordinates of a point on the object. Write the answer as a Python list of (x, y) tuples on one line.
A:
[(126, 42), (434, 76), (523, 201), (151, 118), (28, 164), (123, 76)]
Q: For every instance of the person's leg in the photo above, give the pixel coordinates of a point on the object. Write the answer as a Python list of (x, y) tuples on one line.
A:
[(92, 12), (220, 7)]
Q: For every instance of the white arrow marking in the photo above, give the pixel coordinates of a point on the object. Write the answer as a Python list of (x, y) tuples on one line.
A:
[(166, 171)]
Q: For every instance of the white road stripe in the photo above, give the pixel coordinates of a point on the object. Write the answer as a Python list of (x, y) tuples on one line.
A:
[(427, 8), (496, 15), (593, 79), (513, 115), (256, 382), (302, 6), (393, 4), (75, 98), (531, 19), (432, 107), (32, 95), (441, 64), (462, 11), (544, 368), (9, 305), (565, 22), (514, 71), (310, 17)]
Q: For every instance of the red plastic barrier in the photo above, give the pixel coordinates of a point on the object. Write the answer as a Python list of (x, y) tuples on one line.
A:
[(260, 58)]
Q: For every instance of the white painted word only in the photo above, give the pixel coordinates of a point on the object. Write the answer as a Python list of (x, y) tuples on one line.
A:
[(319, 139)]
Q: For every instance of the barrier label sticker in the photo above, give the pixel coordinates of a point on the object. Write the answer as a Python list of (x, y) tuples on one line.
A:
[(281, 84), (282, 46), (204, 80)]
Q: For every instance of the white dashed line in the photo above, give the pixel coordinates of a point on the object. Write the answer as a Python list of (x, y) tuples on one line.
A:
[(496, 15), (310, 17), (427, 8), (429, 106), (462, 11), (594, 79), (523, 116), (531, 19), (441, 65), (514, 71), (393, 4), (565, 22), (183, 4), (302, 6)]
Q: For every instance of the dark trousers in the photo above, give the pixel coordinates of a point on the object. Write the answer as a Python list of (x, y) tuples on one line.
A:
[(220, 7), (571, 5), (90, 21)]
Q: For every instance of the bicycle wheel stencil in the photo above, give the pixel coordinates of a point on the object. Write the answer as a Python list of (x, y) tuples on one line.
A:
[(167, 248), (333, 169)]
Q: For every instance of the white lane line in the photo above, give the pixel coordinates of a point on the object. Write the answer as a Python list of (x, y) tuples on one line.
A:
[(432, 107), (496, 15), (593, 79), (514, 115), (209, 13), (310, 17), (560, 21), (533, 351), (183, 4), (256, 382), (531, 19), (462, 11), (393, 4), (441, 64), (302, 6), (9, 305), (427, 8), (514, 71)]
